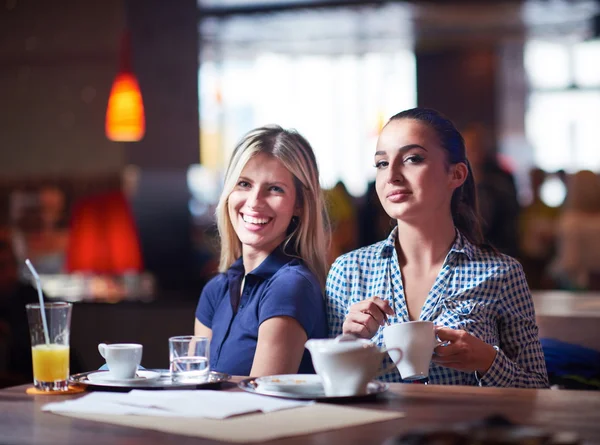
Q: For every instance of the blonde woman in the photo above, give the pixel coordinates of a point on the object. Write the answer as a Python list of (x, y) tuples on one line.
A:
[(268, 298)]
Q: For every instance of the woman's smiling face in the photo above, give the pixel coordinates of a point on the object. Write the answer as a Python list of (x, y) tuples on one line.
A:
[(262, 204), (414, 180)]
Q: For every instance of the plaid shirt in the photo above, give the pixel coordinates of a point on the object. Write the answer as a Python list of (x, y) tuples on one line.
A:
[(480, 291)]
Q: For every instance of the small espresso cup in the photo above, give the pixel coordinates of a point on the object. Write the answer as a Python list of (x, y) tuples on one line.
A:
[(347, 364), (122, 359), (417, 340)]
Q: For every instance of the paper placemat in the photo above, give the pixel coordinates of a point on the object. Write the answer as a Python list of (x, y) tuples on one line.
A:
[(254, 427)]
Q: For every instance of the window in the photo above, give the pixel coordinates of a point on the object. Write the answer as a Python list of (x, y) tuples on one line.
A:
[(315, 71), (564, 104)]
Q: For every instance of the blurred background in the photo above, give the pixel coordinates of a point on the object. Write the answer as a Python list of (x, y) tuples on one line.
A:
[(114, 202)]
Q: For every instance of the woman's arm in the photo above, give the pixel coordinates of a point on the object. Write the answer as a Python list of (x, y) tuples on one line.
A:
[(205, 310), (280, 347), (201, 331), (519, 360), (290, 311)]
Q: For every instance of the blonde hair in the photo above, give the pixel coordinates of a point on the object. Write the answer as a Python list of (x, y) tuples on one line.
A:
[(308, 239)]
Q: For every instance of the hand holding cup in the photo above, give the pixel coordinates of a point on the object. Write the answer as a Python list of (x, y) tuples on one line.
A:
[(463, 351)]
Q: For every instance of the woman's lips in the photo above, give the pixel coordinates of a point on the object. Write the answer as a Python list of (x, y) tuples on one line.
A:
[(398, 195)]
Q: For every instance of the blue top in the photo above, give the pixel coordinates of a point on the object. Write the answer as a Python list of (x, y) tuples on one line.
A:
[(281, 286), (478, 290)]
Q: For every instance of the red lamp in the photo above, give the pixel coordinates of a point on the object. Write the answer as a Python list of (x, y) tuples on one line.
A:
[(125, 120), (103, 236)]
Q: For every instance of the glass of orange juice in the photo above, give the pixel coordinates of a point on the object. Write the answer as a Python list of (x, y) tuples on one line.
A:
[(50, 353)]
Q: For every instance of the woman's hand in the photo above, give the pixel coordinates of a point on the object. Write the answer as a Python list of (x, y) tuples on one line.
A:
[(464, 352), (365, 317)]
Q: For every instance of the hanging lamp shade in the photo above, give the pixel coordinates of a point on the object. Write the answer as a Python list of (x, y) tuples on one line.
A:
[(103, 236), (125, 120)]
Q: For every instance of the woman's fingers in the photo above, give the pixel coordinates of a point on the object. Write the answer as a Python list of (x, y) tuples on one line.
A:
[(365, 317), (372, 304), (360, 324), (379, 309)]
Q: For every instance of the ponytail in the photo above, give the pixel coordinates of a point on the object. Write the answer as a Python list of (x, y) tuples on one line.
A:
[(465, 211)]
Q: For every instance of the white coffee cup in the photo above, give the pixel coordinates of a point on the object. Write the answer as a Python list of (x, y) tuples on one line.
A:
[(346, 364), (417, 340), (122, 359)]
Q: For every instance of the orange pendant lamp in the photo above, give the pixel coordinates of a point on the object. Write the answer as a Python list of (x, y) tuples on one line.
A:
[(103, 236), (125, 120)]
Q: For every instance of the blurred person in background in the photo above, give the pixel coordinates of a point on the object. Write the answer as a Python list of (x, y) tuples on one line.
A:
[(577, 262), (435, 265), (15, 345), (42, 231), (344, 221), (268, 298), (496, 191), (537, 234)]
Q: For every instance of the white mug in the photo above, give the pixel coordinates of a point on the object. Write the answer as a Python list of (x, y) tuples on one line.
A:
[(346, 364), (122, 359), (417, 340)]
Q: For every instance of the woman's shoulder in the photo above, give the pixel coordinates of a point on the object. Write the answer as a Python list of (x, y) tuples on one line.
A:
[(491, 259), (294, 271)]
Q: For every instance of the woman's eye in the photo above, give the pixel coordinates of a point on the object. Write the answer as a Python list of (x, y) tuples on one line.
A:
[(414, 159), (276, 189), (381, 164), (243, 184)]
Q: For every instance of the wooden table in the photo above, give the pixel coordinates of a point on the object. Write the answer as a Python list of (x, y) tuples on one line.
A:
[(23, 422)]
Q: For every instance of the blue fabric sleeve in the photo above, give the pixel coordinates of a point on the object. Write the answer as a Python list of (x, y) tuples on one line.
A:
[(293, 294), (209, 299)]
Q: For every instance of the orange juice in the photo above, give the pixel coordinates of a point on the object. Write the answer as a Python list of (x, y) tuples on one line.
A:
[(50, 362)]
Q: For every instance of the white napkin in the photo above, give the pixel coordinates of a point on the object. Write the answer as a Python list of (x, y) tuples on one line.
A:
[(180, 403)]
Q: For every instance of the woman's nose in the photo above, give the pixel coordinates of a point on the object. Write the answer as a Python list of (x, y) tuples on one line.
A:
[(395, 176), (254, 199)]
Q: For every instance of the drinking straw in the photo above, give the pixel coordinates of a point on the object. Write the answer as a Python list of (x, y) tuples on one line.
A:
[(39, 290)]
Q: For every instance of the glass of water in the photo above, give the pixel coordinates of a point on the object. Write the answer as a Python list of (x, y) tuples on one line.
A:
[(189, 358)]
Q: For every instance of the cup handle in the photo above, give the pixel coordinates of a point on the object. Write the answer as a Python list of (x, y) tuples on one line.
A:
[(101, 349), (392, 365)]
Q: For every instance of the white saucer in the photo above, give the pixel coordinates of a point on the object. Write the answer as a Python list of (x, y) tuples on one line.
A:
[(291, 383), (304, 387), (106, 377)]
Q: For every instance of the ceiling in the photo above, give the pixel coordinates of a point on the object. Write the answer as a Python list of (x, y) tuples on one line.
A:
[(325, 27)]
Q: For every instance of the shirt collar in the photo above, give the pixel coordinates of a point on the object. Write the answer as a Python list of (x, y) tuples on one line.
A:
[(388, 245), (236, 269), (461, 244), (271, 264)]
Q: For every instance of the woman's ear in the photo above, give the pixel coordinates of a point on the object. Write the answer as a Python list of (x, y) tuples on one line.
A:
[(458, 174)]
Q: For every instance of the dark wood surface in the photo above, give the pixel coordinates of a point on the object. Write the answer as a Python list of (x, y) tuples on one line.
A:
[(23, 422)]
